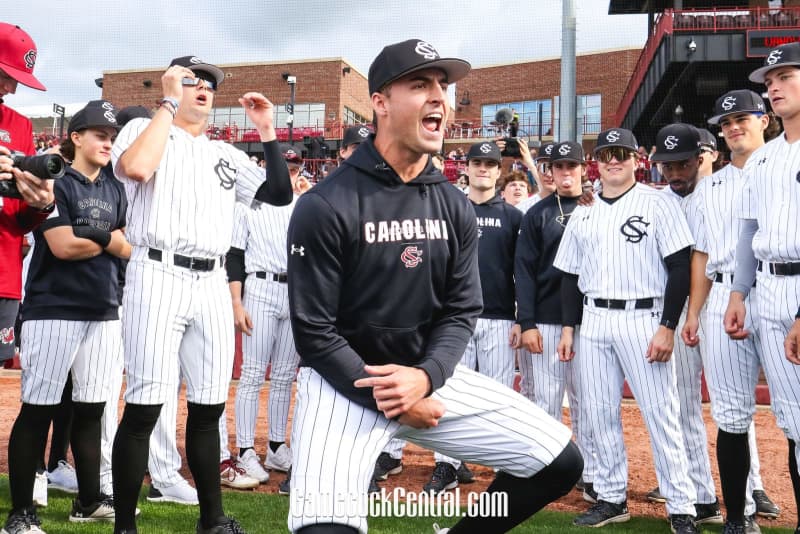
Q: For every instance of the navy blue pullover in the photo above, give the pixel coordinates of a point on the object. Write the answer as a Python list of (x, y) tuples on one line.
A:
[(381, 272)]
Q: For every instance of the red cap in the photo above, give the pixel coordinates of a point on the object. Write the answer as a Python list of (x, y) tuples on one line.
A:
[(18, 55)]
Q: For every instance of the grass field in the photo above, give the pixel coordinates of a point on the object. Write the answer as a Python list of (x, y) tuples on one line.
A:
[(266, 514)]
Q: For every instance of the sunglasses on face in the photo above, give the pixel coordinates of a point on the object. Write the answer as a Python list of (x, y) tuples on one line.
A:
[(211, 85), (619, 153), (544, 168)]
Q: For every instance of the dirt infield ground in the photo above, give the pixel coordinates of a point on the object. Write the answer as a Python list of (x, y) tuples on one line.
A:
[(418, 463)]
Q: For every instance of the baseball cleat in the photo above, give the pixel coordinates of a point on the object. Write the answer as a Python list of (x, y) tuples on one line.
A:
[(682, 524), (40, 490), (708, 514), (231, 474), (23, 522), (179, 493), (373, 487), (63, 478), (589, 494), (385, 465), (443, 478), (764, 505), (603, 513), (733, 527), (225, 525), (102, 510), (655, 496), (580, 485), (251, 464), (285, 485), (465, 474), (280, 460)]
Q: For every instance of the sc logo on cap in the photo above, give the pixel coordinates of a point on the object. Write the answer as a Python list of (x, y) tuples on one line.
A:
[(108, 106), (426, 50), (548, 149), (612, 136), (485, 148), (363, 132), (671, 142), (564, 150), (774, 57), (30, 58), (729, 103), (109, 115)]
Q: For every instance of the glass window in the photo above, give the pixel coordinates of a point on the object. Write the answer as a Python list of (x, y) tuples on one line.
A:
[(588, 114), (305, 115), (530, 122), (351, 117)]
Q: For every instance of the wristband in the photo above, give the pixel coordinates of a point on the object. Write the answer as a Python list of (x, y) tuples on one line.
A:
[(48, 209), (101, 237), (171, 102)]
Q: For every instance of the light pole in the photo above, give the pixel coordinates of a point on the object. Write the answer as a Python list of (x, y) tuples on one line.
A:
[(292, 81), (59, 110)]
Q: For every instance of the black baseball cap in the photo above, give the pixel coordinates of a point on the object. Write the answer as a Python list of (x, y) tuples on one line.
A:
[(355, 135), (787, 55), (96, 114), (616, 137), (707, 139), (739, 101), (127, 114), (545, 150), (397, 60), (567, 151), (290, 153), (195, 64), (676, 142), (487, 150)]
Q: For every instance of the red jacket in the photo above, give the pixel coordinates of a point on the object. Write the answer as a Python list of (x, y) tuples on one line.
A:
[(16, 217)]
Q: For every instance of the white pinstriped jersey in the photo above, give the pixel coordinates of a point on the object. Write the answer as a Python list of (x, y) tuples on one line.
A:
[(261, 231), (713, 220), (618, 249), (771, 195), (191, 214), (685, 203)]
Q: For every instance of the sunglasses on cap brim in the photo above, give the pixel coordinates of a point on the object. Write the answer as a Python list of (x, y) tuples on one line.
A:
[(605, 155), (192, 82)]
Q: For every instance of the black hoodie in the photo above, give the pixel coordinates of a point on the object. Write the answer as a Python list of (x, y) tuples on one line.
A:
[(382, 271)]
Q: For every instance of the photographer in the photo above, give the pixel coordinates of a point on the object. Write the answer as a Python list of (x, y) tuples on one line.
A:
[(17, 217)]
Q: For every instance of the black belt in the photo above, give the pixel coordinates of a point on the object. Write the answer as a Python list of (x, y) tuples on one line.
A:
[(613, 304), (276, 277), (720, 278), (780, 269), (187, 262)]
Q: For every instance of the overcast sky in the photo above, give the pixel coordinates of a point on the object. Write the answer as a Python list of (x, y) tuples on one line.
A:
[(79, 39)]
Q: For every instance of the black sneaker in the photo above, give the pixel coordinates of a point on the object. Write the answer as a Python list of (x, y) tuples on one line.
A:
[(580, 485), (102, 510), (589, 494), (733, 527), (764, 505), (225, 525), (386, 465), (443, 478), (464, 474), (285, 486), (708, 514), (602, 514), (373, 487), (682, 524), (23, 522), (655, 496)]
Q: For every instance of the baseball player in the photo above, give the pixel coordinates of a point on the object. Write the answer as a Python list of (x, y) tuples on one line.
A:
[(628, 254), (708, 149), (257, 261), (544, 178), (70, 318), (384, 295), (490, 350), (182, 189), (538, 290), (767, 207), (731, 366), (680, 157), (353, 136)]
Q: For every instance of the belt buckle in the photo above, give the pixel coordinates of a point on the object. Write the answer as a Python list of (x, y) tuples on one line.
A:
[(772, 270), (194, 263)]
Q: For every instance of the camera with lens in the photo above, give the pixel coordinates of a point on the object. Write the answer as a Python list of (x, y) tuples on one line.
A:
[(45, 167), (512, 148)]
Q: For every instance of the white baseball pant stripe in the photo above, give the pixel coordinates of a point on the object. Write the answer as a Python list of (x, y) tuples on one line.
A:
[(52, 347), (109, 423), (188, 331), (271, 342), (614, 347), (688, 373), (777, 300), (489, 352), (335, 442)]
